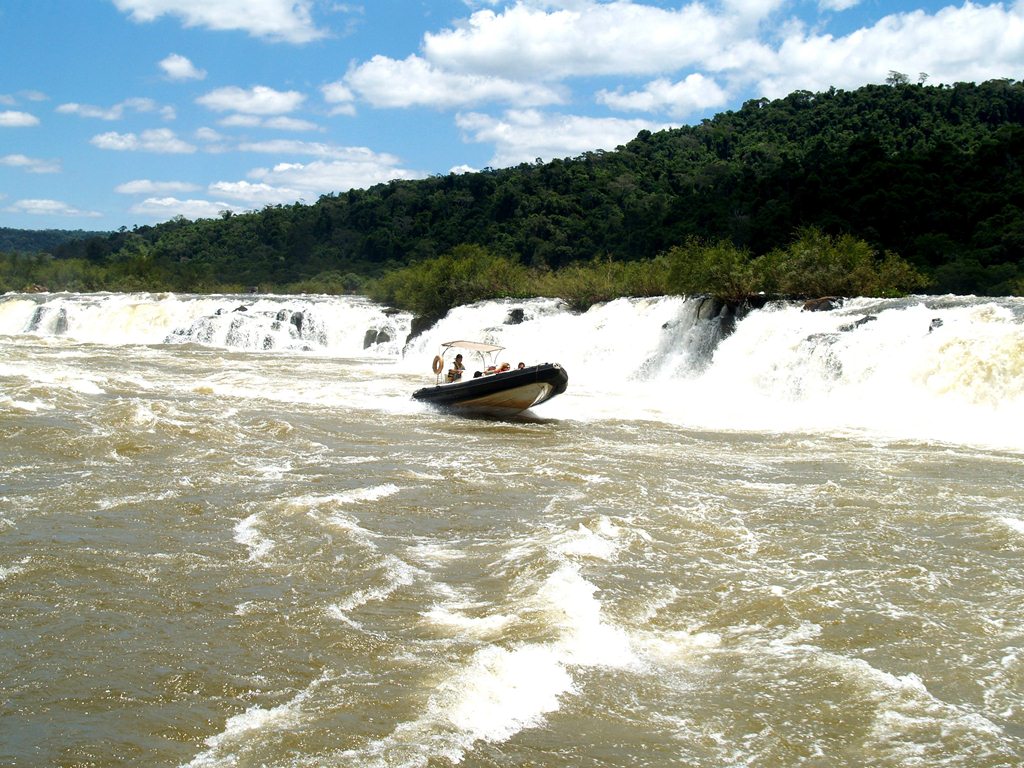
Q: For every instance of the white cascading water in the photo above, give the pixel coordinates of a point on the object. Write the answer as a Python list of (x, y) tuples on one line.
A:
[(347, 327), (933, 368)]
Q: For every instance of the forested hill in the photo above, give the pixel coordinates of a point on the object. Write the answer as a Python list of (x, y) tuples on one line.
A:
[(933, 173), (34, 240)]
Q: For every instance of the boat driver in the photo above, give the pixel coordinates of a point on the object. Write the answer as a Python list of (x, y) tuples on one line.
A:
[(455, 373)]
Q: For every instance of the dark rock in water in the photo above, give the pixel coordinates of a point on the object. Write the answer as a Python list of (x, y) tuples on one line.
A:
[(242, 308), (719, 312), (515, 316), (756, 301), (710, 308), (297, 319), (373, 336), (864, 320), (61, 325), (418, 326), (37, 318), (935, 323), (824, 304), (282, 315)]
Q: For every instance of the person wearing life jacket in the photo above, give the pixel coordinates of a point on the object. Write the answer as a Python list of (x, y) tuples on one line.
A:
[(455, 372)]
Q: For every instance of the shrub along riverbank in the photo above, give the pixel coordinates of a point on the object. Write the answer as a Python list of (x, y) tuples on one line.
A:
[(813, 265)]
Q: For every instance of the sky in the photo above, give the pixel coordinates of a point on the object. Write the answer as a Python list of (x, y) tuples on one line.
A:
[(122, 113)]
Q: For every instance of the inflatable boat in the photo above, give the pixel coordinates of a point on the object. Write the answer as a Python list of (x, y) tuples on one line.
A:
[(490, 388)]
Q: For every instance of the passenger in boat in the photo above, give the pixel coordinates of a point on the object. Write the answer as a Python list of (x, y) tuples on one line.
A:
[(455, 372), (503, 367), (520, 366)]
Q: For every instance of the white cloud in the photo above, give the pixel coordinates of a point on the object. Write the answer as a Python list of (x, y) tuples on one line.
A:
[(9, 100), (240, 121), (588, 38), (31, 164), (692, 94), (177, 67), (48, 208), (277, 123), (12, 119), (117, 111), (341, 96), (256, 195), (148, 187), (837, 5), (334, 169), (259, 100), (753, 12), (290, 124), (208, 134), (969, 43), (703, 54), (325, 176), (359, 155), (161, 140), (163, 208), (414, 81), (277, 20), (524, 135)]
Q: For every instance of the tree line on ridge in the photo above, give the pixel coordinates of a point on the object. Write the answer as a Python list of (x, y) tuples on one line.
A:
[(924, 182)]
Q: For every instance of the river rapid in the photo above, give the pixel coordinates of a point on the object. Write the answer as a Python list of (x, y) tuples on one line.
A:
[(229, 537)]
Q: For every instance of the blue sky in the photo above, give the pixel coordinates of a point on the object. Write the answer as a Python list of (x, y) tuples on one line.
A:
[(128, 112)]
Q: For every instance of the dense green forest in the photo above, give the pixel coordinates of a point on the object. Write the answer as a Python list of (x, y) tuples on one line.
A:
[(933, 174), (36, 240)]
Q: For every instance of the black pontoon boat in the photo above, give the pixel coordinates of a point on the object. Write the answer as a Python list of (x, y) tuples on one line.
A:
[(492, 389)]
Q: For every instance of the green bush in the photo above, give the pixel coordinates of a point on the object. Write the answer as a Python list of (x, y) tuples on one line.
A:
[(467, 274), (720, 269), (332, 282), (817, 264), (583, 284)]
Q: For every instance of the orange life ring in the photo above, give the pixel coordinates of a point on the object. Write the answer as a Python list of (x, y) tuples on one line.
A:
[(438, 364)]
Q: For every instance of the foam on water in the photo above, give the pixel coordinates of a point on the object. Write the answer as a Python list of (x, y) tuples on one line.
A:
[(500, 689), (1013, 523), (241, 738), (248, 534), (599, 542)]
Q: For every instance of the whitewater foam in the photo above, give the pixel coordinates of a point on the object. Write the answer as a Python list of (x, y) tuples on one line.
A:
[(938, 369)]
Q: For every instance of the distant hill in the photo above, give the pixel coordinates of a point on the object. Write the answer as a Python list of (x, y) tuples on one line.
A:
[(932, 173), (40, 240)]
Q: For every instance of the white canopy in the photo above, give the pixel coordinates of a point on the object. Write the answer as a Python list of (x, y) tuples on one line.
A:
[(477, 346)]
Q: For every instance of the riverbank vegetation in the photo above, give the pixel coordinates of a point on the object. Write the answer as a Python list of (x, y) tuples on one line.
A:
[(881, 190), (815, 264)]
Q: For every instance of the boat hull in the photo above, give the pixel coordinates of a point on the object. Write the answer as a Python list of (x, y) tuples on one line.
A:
[(499, 394)]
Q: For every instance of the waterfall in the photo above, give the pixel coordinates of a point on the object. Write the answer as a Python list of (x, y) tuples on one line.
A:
[(346, 326), (935, 368)]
